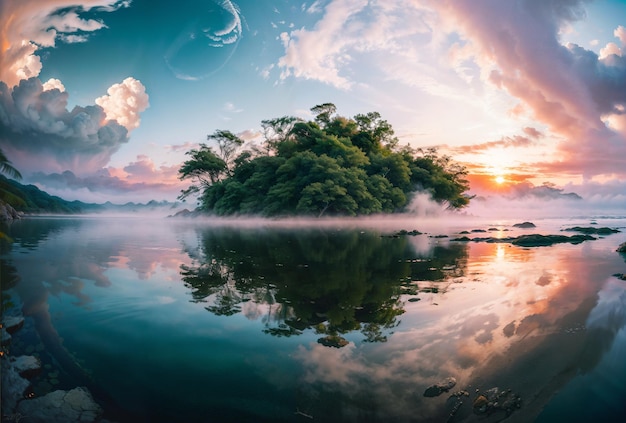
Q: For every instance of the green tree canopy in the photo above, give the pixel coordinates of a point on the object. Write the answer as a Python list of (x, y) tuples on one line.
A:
[(332, 165)]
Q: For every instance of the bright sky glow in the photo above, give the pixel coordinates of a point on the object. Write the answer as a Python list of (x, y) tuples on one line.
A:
[(101, 99)]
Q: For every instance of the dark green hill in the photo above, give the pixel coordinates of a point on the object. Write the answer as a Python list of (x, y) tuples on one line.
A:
[(30, 199)]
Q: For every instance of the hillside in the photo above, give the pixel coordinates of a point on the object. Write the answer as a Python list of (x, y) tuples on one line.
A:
[(29, 199)]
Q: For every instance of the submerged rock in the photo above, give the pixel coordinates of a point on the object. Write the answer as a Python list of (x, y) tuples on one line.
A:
[(589, 230), (462, 239), (76, 405), (402, 232), (533, 240), (14, 386), (441, 387), (26, 365), (621, 248), (537, 240)]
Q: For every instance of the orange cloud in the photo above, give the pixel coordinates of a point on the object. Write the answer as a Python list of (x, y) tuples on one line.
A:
[(569, 89)]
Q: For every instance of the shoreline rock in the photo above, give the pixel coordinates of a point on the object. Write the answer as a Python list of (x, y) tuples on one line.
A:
[(74, 406), (8, 213)]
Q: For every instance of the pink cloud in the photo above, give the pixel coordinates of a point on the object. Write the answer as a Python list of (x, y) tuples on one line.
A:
[(504, 142), (568, 88), (141, 180)]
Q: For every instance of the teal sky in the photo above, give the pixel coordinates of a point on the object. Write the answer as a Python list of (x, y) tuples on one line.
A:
[(520, 90)]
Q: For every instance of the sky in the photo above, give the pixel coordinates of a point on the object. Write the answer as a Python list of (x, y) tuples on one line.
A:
[(100, 99)]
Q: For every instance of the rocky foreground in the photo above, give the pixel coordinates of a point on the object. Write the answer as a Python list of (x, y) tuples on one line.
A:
[(8, 213), (18, 404)]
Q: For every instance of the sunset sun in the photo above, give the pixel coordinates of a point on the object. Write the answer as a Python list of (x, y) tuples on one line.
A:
[(499, 179)]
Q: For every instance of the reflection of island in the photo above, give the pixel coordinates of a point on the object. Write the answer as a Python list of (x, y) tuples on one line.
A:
[(333, 281)]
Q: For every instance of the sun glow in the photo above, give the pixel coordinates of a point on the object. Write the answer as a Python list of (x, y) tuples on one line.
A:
[(499, 179)]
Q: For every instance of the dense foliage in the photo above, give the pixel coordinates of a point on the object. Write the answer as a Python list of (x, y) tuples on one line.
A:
[(330, 166)]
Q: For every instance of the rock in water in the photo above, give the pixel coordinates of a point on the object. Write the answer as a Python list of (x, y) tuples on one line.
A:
[(524, 225), (12, 323), (26, 365), (334, 341), (13, 387), (72, 406), (621, 248), (441, 387)]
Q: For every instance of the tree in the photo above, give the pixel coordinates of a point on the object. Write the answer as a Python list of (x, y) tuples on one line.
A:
[(228, 144), (442, 177), (323, 112), (278, 131), (374, 133), (7, 168), (204, 168)]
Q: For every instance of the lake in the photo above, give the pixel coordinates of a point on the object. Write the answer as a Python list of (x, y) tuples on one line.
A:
[(333, 321)]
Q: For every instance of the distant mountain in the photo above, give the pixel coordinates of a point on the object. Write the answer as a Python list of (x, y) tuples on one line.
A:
[(31, 200)]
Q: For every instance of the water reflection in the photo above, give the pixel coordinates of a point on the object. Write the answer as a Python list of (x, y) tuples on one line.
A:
[(409, 311), (331, 281), (521, 319)]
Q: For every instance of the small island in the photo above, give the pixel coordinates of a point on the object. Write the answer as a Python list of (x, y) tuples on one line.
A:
[(333, 166)]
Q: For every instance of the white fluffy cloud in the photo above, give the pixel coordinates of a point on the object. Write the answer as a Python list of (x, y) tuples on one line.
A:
[(52, 84), (38, 132), (36, 128), (124, 102)]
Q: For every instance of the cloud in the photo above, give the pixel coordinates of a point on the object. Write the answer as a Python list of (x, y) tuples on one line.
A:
[(141, 180), (52, 84), (31, 24), (620, 32), (36, 128), (505, 142), (318, 54), (231, 108), (532, 132), (38, 131), (124, 102), (175, 148), (570, 89), (609, 49), (250, 135)]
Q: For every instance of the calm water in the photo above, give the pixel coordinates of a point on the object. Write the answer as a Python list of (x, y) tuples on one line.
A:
[(170, 321)]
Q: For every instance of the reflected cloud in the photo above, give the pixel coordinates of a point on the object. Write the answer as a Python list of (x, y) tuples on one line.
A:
[(521, 319)]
